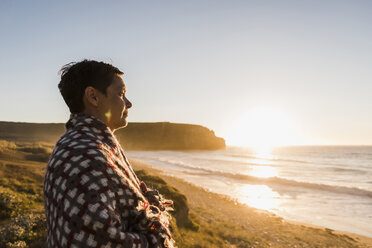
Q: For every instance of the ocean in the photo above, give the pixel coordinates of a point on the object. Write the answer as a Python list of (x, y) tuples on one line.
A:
[(329, 186)]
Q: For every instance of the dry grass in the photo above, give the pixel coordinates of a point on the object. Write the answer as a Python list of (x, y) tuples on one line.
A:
[(21, 200)]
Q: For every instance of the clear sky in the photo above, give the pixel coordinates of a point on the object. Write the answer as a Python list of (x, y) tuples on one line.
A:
[(281, 72)]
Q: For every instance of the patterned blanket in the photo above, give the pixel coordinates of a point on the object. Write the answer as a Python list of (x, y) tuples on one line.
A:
[(93, 197)]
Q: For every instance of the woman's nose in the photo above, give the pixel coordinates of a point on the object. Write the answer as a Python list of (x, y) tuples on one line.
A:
[(128, 104)]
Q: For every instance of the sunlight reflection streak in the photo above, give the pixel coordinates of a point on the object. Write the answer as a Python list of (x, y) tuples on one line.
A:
[(263, 171), (259, 196)]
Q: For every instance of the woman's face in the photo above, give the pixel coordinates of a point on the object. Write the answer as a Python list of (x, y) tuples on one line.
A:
[(113, 107)]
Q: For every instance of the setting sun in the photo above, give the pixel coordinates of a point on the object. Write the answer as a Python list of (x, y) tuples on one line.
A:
[(263, 128)]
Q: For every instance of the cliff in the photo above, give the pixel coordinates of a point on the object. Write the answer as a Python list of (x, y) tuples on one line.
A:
[(168, 136), (136, 136)]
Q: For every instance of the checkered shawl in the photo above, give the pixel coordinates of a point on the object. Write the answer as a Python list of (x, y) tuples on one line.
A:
[(93, 197)]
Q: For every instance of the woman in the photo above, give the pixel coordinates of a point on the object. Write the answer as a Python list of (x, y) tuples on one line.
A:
[(92, 196)]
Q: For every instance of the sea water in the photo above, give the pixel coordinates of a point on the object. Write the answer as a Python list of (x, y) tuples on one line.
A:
[(329, 186)]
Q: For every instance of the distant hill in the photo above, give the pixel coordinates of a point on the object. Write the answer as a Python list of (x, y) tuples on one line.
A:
[(136, 136)]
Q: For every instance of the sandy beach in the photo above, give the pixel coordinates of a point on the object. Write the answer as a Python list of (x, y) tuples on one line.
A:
[(251, 227)]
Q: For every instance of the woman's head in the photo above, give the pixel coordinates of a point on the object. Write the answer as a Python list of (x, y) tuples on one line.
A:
[(95, 88)]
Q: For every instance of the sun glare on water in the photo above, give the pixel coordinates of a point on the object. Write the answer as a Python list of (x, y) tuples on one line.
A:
[(259, 196), (263, 171)]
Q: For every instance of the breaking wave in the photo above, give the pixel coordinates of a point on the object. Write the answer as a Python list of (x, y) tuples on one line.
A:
[(277, 181)]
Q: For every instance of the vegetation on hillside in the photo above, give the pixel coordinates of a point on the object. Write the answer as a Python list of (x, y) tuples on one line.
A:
[(21, 199)]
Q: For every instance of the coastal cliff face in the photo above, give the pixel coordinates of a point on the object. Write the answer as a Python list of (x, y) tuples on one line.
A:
[(168, 136), (136, 136)]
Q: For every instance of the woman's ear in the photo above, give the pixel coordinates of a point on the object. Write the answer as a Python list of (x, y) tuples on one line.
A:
[(91, 96)]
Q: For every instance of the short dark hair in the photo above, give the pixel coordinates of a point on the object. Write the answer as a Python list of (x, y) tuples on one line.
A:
[(77, 76)]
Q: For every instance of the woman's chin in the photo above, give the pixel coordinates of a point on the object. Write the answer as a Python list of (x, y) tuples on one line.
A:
[(123, 123)]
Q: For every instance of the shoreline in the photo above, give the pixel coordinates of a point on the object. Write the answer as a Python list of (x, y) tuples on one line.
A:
[(259, 222)]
